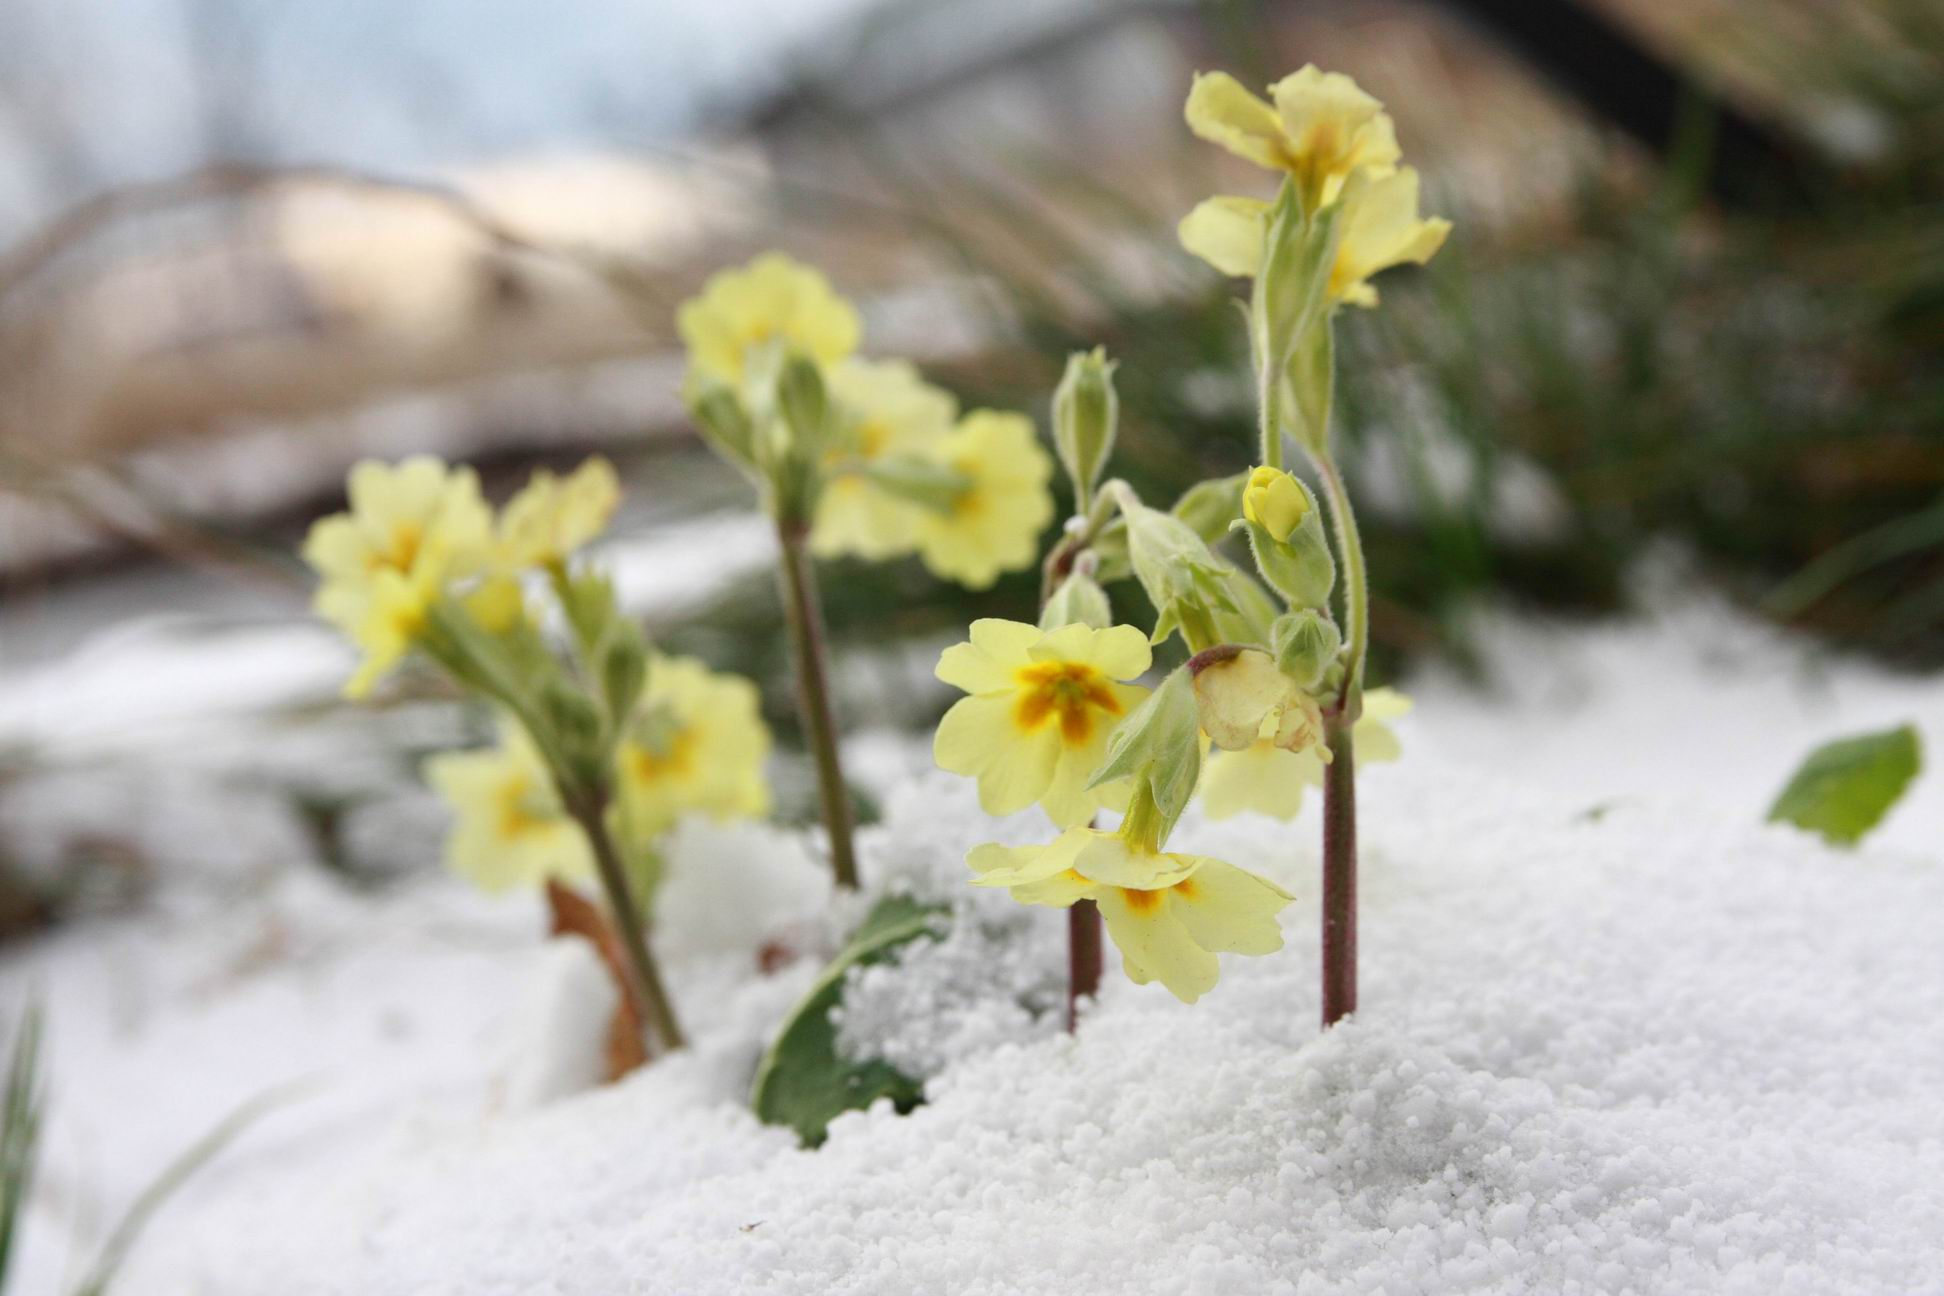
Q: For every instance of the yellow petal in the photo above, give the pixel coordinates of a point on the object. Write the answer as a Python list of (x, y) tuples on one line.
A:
[(1233, 698), (1262, 778), (987, 664), (1226, 232), (1229, 910), (1380, 229), (1012, 866), (1222, 111), (1108, 858), (1154, 945), (979, 737), (1332, 127)]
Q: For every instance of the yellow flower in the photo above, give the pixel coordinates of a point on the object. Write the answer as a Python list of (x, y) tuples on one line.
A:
[(1322, 129), (1042, 705), (393, 613), (995, 524), (772, 298), (1379, 228), (551, 517), (1274, 501), (1170, 914), (497, 604), (890, 411), (1246, 697), (1270, 780), (418, 521), (510, 827), (697, 746)]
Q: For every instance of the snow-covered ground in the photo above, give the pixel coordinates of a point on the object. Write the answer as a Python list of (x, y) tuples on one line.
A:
[(1616, 1034)]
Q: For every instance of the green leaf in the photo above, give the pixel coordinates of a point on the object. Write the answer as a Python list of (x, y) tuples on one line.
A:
[(804, 1081), (1846, 787)]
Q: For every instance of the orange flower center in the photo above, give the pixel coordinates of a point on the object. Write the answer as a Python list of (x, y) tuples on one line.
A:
[(1073, 693), (672, 761)]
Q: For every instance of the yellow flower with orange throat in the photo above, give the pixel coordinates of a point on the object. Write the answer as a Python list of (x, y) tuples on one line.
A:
[(697, 745), (1040, 709), (1002, 504), (1320, 127), (509, 827), (552, 517), (773, 299), (889, 413), (1168, 913)]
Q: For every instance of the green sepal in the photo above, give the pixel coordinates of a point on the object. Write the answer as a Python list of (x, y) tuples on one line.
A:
[(804, 1082), (1304, 644), (1160, 743), (1078, 601), (1209, 506)]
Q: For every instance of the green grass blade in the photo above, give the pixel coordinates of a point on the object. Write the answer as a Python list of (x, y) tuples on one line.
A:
[(20, 1121)]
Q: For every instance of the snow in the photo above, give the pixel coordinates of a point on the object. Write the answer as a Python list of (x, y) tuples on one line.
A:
[(1616, 1034)]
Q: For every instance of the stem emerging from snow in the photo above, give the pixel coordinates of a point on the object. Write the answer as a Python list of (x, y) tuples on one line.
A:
[(813, 697), (589, 811), (1084, 960), (1339, 875)]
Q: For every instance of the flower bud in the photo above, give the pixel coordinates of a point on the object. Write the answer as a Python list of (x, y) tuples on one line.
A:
[(624, 669), (1079, 600), (724, 423), (1299, 566), (1186, 583), (805, 406), (1275, 501), (1086, 415), (1304, 644)]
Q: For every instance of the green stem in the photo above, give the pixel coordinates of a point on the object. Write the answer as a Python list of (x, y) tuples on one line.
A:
[(813, 696), (644, 975), (1356, 589), (1269, 407), (1339, 874)]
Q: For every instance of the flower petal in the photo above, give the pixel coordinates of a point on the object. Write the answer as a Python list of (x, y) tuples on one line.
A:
[(1228, 909), (1223, 111), (1154, 945), (1226, 232)]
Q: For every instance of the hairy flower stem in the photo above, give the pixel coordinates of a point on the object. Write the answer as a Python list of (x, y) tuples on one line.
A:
[(805, 616), (646, 988), (1339, 876)]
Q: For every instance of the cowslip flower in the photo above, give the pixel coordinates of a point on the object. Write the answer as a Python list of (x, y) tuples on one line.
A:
[(418, 524), (1271, 780), (1169, 913), (890, 412), (994, 524), (1322, 128), (1042, 705), (509, 828), (697, 746), (553, 516), (773, 298), (1379, 228), (1244, 697)]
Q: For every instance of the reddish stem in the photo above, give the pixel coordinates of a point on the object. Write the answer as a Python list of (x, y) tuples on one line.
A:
[(1083, 957), (1339, 876)]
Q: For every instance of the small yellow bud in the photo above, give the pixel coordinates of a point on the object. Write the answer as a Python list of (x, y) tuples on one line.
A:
[(1275, 501)]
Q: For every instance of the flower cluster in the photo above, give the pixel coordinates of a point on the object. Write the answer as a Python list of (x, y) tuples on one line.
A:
[(419, 562), (874, 460)]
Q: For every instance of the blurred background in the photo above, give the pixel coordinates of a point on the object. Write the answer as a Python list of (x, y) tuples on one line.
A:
[(1684, 344)]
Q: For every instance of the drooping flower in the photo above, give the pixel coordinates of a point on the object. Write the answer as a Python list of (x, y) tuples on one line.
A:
[(771, 298), (553, 516), (509, 828), (1245, 697), (697, 746), (1270, 780), (1379, 228), (418, 521), (994, 524), (1041, 707), (889, 411), (1169, 914), (1322, 129)]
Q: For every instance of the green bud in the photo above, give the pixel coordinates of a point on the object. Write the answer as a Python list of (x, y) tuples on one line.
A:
[(1185, 581), (1109, 548), (1211, 505), (624, 668), (1305, 643), (1299, 568), (724, 423), (1078, 601), (805, 407), (587, 599), (935, 486), (574, 734), (1160, 744), (1086, 414), (1291, 293)]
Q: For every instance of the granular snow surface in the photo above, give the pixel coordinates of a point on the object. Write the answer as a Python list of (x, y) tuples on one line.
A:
[(1616, 1036)]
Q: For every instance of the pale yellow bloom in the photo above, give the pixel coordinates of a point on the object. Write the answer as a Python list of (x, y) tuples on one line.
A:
[(773, 298), (510, 829), (553, 516), (418, 521), (392, 615), (1042, 706), (1247, 697), (1274, 501), (1380, 228), (497, 604), (995, 524), (697, 746), (1169, 914), (1270, 780), (889, 412), (1322, 129)]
